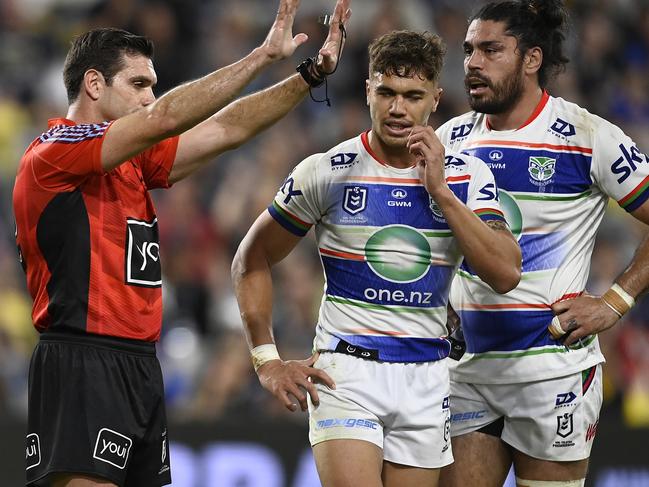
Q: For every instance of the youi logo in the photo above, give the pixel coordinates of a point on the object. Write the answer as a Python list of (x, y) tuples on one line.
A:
[(113, 448), (142, 253)]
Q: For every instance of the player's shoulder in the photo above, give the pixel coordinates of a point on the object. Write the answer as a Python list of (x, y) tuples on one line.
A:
[(336, 160), (459, 164), (69, 134), (340, 158), (458, 127), (576, 122)]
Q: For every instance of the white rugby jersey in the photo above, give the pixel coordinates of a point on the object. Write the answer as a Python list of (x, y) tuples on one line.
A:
[(555, 175), (387, 252)]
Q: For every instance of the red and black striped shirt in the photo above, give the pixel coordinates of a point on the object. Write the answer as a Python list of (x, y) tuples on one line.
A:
[(88, 239)]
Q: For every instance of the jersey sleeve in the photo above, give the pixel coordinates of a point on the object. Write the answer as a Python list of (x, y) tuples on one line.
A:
[(442, 133), (619, 168), (483, 192), (66, 155), (296, 205), (156, 163)]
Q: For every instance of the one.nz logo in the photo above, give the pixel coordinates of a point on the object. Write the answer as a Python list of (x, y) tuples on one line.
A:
[(142, 253), (343, 160), (113, 448), (541, 169), (355, 199)]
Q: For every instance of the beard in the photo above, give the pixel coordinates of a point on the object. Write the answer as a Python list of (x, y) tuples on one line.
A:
[(505, 95)]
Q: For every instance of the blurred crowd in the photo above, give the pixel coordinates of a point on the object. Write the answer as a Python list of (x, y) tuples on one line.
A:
[(202, 219)]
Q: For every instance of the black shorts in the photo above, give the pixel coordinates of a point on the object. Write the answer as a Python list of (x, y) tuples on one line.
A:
[(96, 408)]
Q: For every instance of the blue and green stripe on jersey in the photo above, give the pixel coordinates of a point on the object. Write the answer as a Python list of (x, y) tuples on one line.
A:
[(289, 221)]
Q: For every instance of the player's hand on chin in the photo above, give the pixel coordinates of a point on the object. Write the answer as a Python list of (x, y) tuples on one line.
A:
[(290, 381)]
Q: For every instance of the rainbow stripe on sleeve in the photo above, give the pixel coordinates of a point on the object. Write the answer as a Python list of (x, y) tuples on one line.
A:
[(486, 214), (289, 221), (635, 198)]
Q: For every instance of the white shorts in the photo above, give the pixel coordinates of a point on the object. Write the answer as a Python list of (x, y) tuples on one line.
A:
[(554, 419), (402, 408)]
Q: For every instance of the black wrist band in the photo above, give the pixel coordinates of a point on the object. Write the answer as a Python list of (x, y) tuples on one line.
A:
[(310, 73)]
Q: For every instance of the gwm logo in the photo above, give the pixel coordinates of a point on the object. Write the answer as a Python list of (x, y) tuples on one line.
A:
[(541, 168), (399, 194), (496, 155)]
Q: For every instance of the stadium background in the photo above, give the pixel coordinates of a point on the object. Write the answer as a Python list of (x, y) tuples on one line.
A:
[(227, 431)]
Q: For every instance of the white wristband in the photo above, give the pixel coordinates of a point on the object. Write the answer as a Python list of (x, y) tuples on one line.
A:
[(628, 299), (262, 354)]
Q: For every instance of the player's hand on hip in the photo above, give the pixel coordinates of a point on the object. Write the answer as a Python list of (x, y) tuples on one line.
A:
[(582, 316), (332, 47), (294, 378), (280, 42), (429, 151)]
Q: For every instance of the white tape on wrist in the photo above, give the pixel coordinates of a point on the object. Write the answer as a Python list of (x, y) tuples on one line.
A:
[(618, 300), (555, 328), (262, 354), (628, 299)]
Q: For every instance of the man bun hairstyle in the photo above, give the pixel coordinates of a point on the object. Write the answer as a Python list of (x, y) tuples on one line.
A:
[(534, 23), (407, 53), (101, 49)]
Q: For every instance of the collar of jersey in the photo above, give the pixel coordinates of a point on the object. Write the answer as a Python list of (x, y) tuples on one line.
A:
[(53, 122), (366, 144), (539, 108)]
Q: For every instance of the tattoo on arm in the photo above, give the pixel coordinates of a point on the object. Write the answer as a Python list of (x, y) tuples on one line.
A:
[(497, 225)]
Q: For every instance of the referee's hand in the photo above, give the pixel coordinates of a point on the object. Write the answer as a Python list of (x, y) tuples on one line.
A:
[(292, 378)]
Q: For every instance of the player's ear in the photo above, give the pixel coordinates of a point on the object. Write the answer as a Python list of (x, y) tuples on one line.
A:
[(437, 95), (93, 83), (532, 60), (367, 91)]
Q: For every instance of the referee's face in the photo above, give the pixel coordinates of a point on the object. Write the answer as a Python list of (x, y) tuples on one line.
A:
[(130, 89), (398, 103)]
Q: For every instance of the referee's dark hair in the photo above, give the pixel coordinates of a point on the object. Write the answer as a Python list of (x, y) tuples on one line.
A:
[(103, 50), (407, 53), (534, 23)]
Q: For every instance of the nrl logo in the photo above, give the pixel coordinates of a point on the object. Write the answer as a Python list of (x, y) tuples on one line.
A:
[(355, 199), (542, 168)]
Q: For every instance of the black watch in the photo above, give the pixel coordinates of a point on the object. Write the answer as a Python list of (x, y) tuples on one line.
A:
[(310, 72)]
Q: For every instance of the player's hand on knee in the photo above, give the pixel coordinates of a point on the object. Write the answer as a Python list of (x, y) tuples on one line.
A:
[(327, 60), (280, 42), (290, 381)]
